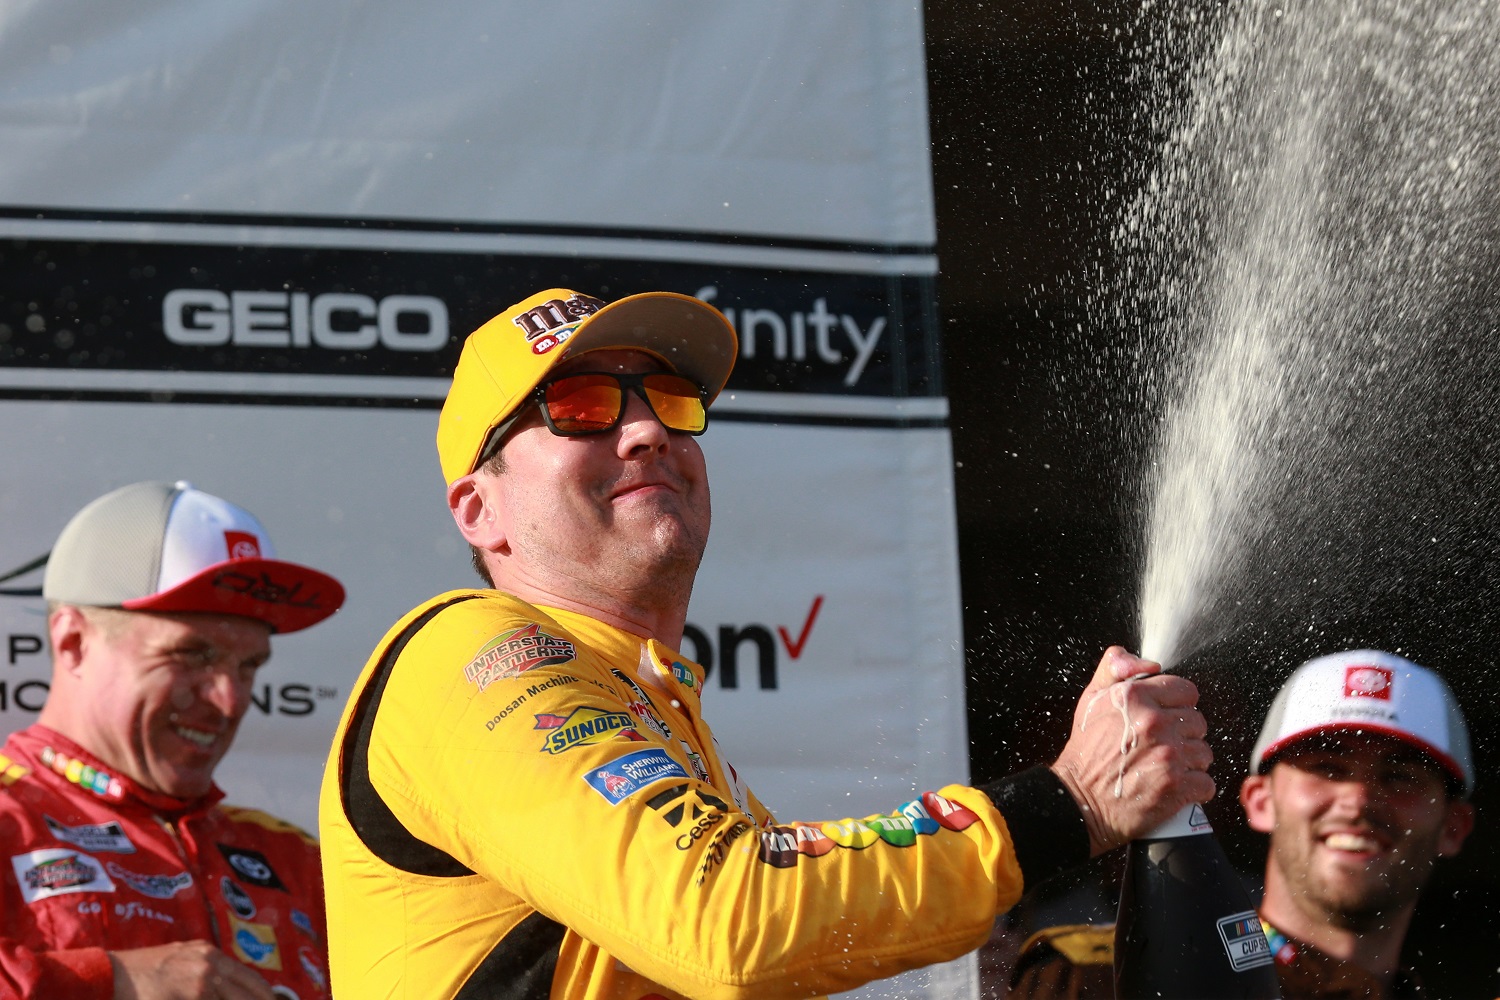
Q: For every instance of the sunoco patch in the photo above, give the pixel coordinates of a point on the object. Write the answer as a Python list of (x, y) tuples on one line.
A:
[(584, 726), (1244, 941), (514, 653)]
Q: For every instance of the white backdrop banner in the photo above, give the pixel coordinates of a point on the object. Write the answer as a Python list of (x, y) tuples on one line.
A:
[(240, 244)]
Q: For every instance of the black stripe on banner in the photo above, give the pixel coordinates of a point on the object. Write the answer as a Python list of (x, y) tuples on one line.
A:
[(407, 403), (98, 306)]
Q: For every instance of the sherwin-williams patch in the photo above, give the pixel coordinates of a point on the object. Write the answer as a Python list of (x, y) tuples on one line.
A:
[(624, 777), (516, 652)]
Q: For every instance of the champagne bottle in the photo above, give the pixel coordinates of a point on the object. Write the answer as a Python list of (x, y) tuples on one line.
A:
[(1187, 929)]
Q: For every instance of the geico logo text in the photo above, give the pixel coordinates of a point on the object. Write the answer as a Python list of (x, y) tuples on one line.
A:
[(336, 321)]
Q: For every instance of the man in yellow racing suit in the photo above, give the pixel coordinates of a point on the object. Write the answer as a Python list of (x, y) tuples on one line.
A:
[(523, 798)]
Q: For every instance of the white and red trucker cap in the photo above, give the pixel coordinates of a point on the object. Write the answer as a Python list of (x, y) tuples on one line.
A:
[(170, 547), (1367, 691)]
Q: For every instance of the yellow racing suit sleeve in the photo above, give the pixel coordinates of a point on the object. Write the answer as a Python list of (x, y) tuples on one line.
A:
[(539, 769)]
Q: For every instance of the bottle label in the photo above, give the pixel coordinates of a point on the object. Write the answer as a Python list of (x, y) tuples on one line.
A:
[(1187, 822), (1244, 941)]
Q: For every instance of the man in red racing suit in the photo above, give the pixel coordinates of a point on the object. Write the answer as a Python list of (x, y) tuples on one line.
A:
[(123, 875)]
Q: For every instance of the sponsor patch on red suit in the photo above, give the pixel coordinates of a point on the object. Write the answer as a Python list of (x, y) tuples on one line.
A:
[(56, 871)]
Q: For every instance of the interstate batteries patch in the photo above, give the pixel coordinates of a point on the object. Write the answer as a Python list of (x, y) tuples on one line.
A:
[(514, 653)]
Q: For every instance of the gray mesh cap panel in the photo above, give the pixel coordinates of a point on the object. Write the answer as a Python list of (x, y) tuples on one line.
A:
[(110, 552)]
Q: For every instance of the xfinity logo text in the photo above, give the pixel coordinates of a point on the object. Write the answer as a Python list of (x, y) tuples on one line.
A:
[(335, 321), (816, 335)]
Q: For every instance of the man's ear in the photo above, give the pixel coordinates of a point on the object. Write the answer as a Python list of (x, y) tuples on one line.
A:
[(1457, 825), (1256, 800), (69, 630), (472, 501)]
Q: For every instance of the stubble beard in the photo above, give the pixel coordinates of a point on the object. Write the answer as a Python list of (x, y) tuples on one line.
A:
[(1366, 904)]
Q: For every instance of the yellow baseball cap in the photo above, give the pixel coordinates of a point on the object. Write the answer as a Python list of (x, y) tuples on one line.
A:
[(508, 357)]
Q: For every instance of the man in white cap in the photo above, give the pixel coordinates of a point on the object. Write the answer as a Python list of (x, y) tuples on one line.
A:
[(1361, 776), (124, 876), (524, 798)]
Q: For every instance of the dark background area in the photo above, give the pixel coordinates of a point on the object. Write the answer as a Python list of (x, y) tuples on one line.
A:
[(1038, 137)]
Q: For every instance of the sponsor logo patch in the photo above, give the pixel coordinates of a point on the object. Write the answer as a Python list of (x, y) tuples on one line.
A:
[(101, 783), (56, 871), (692, 811), (303, 923), (132, 910), (627, 775), (585, 726), (550, 324), (683, 675), (695, 759), (97, 837), (155, 886), (1368, 682), (1244, 941), (312, 966), (251, 866), (241, 545), (255, 944), (514, 653), (784, 846), (239, 900), (640, 706), (10, 771), (718, 849)]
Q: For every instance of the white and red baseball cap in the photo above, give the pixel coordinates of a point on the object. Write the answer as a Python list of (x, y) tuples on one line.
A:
[(171, 547), (1367, 691)]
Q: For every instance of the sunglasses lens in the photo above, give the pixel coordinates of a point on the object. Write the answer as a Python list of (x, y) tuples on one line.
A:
[(584, 404), (677, 402)]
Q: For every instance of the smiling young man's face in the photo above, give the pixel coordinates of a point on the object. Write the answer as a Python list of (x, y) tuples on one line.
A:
[(166, 693), (616, 512), (1356, 823)]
